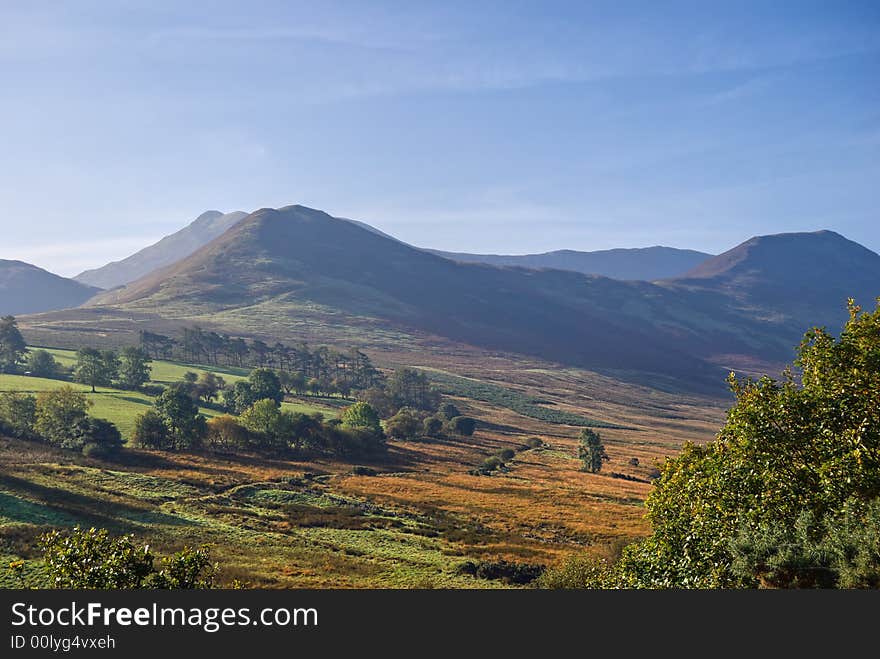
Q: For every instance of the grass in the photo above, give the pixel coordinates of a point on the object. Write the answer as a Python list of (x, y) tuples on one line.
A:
[(512, 400), (121, 407), (411, 524), (162, 371), (115, 405)]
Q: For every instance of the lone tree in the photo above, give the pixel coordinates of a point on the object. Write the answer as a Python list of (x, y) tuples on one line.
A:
[(59, 414), (591, 451), (96, 368), (178, 410), (12, 345), (209, 386), (134, 367), (265, 384)]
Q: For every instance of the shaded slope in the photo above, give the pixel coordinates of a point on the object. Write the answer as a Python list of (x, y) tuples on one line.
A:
[(25, 288), (801, 279), (296, 251), (748, 306)]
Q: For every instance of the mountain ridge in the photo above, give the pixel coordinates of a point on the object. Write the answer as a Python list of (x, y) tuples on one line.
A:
[(166, 251), (280, 265), (627, 263), (309, 254)]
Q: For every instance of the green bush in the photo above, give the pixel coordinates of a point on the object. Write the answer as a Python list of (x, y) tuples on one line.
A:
[(506, 571), (579, 571), (432, 426), (463, 425), (789, 493), (93, 559), (506, 454)]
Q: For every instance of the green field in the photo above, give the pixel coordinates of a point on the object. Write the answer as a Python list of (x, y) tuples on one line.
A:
[(163, 372), (121, 407)]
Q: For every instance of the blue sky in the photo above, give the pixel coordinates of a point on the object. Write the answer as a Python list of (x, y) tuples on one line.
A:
[(481, 126)]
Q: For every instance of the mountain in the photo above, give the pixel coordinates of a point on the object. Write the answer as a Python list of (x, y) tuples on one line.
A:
[(802, 279), (646, 264), (295, 253), (170, 249), (25, 288), (299, 267)]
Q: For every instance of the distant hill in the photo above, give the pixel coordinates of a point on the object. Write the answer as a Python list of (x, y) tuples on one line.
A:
[(25, 288), (296, 252), (802, 278), (296, 265), (170, 249), (646, 264)]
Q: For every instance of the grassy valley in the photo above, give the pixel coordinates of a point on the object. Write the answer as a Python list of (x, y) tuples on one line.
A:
[(413, 521)]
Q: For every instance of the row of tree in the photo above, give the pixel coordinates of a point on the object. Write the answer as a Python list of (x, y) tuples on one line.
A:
[(175, 424), (336, 370)]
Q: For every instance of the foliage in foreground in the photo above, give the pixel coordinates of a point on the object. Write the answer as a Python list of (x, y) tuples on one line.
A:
[(96, 560), (787, 496)]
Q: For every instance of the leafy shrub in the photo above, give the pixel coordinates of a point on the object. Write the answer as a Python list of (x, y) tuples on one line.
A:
[(100, 436), (360, 470), (94, 559), (404, 425), (150, 431), (58, 414), (506, 571), (361, 416), (226, 433), (463, 425), (490, 464), (789, 493), (506, 454), (579, 571), (432, 426), (18, 414), (534, 442)]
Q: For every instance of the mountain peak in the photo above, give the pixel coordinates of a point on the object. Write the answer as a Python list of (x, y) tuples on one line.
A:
[(786, 255), (168, 250)]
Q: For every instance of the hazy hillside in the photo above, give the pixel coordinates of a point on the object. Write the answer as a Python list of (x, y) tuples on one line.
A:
[(169, 250), (752, 303), (274, 255), (25, 288), (805, 278), (648, 263)]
